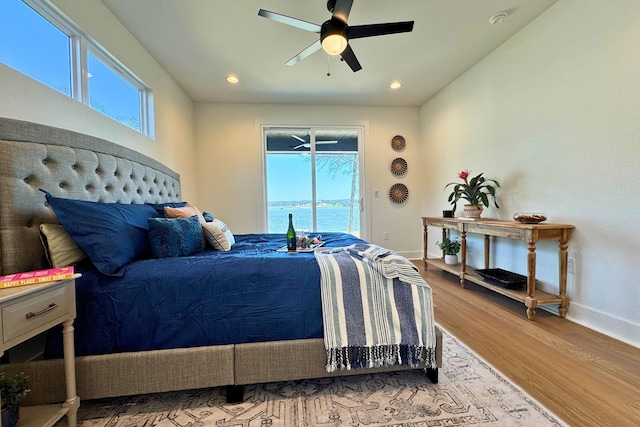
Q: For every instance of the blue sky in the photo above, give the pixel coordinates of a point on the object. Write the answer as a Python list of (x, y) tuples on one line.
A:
[(289, 178)]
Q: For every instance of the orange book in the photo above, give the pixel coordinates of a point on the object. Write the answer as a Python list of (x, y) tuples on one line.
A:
[(36, 276)]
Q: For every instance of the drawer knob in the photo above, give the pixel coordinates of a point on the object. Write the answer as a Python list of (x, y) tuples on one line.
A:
[(31, 314)]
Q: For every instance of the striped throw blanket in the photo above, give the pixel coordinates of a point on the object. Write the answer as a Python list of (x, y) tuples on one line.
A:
[(377, 309)]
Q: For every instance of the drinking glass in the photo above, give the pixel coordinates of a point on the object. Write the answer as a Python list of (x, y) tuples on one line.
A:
[(303, 233)]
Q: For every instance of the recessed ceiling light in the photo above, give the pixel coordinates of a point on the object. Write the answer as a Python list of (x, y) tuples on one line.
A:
[(232, 79), (395, 85)]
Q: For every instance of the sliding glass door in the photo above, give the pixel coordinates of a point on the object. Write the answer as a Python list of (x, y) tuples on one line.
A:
[(313, 173)]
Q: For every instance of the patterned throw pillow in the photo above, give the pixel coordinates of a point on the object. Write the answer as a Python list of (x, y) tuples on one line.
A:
[(174, 237), (159, 207), (184, 212), (218, 235)]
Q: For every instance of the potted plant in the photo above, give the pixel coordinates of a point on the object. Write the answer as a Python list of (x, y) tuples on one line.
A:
[(475, 191), (12, 390), (450, 248)]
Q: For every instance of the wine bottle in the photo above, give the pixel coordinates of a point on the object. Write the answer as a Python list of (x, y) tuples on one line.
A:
[(291, 235)]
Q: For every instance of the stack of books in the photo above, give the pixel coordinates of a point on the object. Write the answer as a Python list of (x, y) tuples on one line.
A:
[(36, 276)]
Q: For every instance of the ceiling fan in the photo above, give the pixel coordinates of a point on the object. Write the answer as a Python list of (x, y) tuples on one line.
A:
[(335, 33), (307, 144)]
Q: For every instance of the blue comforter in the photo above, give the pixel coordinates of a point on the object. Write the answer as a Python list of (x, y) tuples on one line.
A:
[(251, 294)]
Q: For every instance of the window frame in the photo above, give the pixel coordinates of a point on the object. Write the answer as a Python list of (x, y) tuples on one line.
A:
[(80, 43), (361, 129)]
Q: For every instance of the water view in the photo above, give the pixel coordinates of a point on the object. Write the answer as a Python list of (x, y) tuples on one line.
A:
[(334, 218)]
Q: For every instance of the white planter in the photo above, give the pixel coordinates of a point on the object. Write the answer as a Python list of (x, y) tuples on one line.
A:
[(451, 259)]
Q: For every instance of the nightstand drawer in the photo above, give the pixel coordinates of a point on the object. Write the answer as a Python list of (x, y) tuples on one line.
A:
[(27, 315)]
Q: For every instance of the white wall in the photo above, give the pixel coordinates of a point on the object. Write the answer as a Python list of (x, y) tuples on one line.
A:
[(25, 99), (231, 172), (553, 115)]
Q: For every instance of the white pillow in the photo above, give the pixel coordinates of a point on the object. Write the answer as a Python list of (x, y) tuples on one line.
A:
[(60, 249), (218, 235)]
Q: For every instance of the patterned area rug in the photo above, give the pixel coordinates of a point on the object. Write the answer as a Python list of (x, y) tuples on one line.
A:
[(470, 393)]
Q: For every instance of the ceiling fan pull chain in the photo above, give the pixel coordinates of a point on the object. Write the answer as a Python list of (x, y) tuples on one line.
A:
[(328, 63)]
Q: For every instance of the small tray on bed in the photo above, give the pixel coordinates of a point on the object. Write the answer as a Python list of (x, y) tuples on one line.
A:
[(503, 278), (311, 248)]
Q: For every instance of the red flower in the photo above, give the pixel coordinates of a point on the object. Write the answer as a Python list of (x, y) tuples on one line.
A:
[(464, 175)]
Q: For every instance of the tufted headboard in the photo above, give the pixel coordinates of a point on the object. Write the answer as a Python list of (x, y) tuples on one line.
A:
[(70, 165)]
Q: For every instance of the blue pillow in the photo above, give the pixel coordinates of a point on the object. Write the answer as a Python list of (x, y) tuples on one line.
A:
[(173, 237), (111, 234), (159, 207), (207, 216)]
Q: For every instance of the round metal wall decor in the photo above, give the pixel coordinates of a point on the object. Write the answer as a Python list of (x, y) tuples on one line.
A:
[(399, 166), (398, 193), (398, 143)]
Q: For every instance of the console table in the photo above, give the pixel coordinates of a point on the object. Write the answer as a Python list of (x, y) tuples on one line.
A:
[(531, 233)]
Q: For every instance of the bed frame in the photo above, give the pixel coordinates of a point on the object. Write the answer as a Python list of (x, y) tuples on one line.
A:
[(73, 165)]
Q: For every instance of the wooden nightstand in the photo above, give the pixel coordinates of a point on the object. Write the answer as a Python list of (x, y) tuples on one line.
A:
[(27, 311)]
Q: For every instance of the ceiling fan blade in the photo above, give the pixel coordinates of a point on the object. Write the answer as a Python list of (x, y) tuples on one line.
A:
[(298, 138), (308, 145), (294, 22), (350, 58), (308, 51), (341, 9), (360, 31)]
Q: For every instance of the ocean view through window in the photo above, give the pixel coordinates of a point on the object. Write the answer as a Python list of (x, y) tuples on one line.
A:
[(313, 174)]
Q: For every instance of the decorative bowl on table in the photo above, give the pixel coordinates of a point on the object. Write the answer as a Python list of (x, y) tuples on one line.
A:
[(529, 218)]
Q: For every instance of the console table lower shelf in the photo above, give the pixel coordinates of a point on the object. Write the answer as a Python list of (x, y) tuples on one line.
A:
[(540, 298)]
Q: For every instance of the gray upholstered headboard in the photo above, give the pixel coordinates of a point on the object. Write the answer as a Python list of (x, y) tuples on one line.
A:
[(70, 165)]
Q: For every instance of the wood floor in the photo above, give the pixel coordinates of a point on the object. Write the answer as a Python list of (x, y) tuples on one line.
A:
[(585, 377)]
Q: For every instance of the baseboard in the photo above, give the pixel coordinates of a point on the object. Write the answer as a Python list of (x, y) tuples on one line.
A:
[(412, 255), (612, 326)]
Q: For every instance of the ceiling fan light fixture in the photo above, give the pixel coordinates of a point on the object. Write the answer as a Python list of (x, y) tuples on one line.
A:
[(232, 79), (334, 44), (333, 36)]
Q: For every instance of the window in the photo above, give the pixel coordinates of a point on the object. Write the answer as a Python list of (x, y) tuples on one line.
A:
[(37, 40), (46, 58), (313, 173), (110, 93)]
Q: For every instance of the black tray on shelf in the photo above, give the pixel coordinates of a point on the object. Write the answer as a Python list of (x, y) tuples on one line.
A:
[(503, 278)]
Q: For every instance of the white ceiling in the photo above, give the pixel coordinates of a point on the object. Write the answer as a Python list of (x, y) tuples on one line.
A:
[(199, 42)]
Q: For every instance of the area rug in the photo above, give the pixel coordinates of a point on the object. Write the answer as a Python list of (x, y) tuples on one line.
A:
[(470, 393)]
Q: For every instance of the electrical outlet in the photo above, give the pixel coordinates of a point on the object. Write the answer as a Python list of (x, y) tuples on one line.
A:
[(386, 235), (571, 266)]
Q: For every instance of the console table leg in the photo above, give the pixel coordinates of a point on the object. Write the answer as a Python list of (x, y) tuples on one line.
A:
[(531, 301), (531, 304), (463, 256), (487, 250), (562, 310), (425, 243), (562, 276)]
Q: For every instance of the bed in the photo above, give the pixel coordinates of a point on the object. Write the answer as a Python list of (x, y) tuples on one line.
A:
[(73, 166)]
